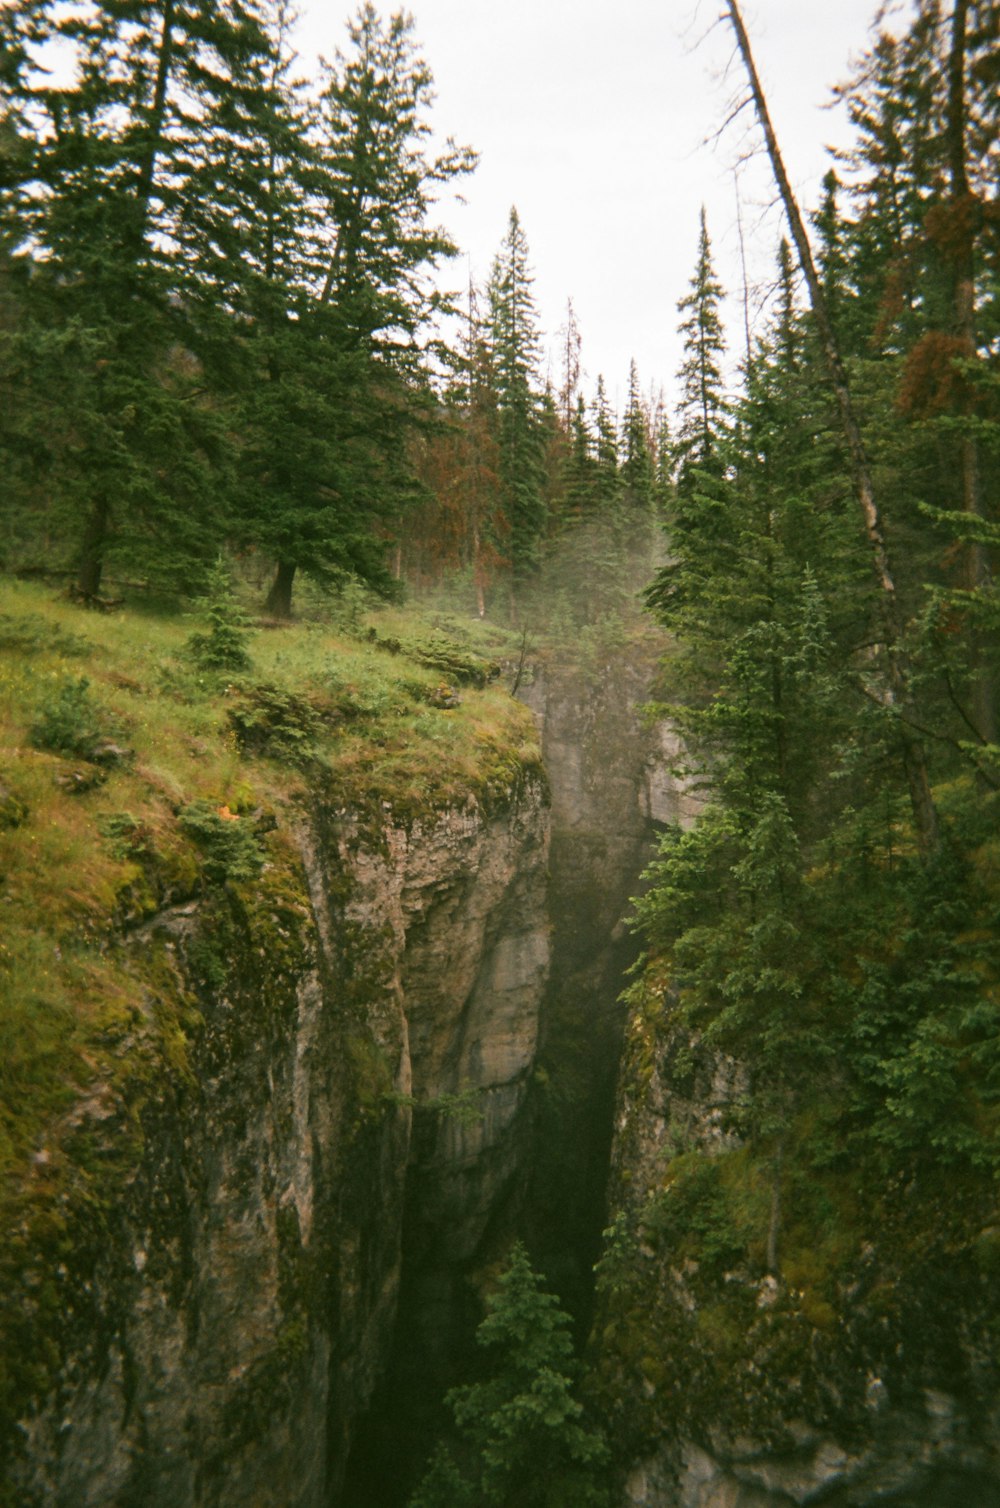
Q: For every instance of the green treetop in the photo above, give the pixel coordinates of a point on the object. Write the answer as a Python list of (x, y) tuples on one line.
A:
[(636, 457), (523, 1439), (514, 330), (701, 412)]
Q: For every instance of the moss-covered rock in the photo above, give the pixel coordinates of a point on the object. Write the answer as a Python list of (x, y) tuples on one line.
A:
[(813, 1377), (208, 1073)]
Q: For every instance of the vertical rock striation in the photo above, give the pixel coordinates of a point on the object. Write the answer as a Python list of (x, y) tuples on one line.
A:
[(611, 787), (210, 1333)]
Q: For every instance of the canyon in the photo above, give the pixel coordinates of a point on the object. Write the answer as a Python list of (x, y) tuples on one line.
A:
[(404, 1046)]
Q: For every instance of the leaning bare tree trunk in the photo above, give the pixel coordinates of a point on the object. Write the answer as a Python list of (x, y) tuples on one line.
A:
[(914, 758), (962, 247)]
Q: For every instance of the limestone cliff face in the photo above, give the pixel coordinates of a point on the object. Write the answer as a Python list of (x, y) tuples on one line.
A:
[(603, 770), (209, 1335), (864, 1372)]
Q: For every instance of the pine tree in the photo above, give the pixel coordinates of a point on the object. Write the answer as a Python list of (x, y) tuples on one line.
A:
[(579, 475), (522, 1430), (637, 460), (663, 464), (831, 256), (24, 29), (697, 521), (382, 185), (701, 412), (135, 458), (764, 698), (607, 480), (361, 389), (514, 332), (919, 253)]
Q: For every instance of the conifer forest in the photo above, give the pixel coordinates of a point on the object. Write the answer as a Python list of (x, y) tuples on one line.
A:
[(499, 888)]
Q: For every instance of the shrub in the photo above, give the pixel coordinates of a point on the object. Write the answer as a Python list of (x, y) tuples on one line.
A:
[(33, 634), (281, 724), (69, 722), (230, 845), (224, 647)]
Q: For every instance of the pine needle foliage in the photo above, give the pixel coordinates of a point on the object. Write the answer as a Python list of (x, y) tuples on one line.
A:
[(523, 1439)]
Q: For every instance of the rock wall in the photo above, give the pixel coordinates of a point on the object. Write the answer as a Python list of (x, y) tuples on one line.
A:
[(209, 1334), (606, 789), (864, 1372), (612, 782)]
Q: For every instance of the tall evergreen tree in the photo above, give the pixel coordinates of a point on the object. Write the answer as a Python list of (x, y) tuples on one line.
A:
[(697, 454), (607, 478), (579, 480), (522, 1430), (371, 316), (919, 251), (114, 156), (636, 454), (700, 420), (514, 330), (894, 169)]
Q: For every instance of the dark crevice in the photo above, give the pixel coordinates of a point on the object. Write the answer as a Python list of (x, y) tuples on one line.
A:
[(554, 1192)]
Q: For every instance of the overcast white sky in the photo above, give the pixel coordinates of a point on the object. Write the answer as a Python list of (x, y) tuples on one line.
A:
[(592, 119)]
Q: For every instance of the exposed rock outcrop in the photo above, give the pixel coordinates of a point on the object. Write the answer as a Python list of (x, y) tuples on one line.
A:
[(602, 766), (609, 784), (209, 1335), (925, 1456), (862, 1371)]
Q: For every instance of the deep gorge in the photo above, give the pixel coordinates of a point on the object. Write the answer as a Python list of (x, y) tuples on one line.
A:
[(383, 1090), (606, 790), (346, 1087)]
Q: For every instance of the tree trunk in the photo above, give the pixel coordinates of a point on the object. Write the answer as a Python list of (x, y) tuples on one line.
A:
[(774, 1224), (92, 546), (157, 115), (898, 690), (962, 254), (477, 571), (279, 598)]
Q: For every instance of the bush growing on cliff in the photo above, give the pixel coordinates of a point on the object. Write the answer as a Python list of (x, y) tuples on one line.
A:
[(229, 844), (522, 1435)]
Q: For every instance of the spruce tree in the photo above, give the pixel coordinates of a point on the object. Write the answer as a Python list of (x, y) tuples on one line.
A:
[(137, 463), (919, 252), (636, 456), (580, 467), (360, 369), (697, 519), (522, 1433), (764, 697), (515, 339), (381, 184), (607, 479), (700, 419)]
